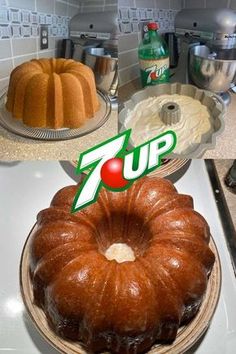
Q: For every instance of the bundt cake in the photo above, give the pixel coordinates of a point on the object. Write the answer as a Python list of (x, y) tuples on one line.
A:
[(52, 93), (124, 272)]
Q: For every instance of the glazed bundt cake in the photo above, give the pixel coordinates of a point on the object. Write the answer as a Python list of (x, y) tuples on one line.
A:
[(52, 93), (124, 272)]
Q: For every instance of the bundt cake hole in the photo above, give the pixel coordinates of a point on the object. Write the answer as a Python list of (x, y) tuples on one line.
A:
[(121, 237), (120, 252)]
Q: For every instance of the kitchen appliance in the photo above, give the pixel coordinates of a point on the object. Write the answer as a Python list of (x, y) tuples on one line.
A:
[(207, 49), (94, 41), (230, 178), (172, 44), (104, 64)]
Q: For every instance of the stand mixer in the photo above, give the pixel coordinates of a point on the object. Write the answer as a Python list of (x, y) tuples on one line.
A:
[(207, 49), (94, 41)]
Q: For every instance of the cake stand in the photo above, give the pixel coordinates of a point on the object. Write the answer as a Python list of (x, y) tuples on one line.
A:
[(17, 127)]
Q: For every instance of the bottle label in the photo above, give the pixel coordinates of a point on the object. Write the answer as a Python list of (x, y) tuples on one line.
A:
[(154, 71)]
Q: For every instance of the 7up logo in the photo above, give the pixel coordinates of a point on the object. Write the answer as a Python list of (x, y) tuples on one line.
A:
[(155, 72), (114, 168)]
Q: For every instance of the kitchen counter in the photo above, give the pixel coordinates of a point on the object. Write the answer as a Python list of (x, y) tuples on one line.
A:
[(225, 143), (14, 147), (222, 167)]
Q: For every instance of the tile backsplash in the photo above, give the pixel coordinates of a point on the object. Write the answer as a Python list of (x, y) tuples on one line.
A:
[(20, 21), (98, 5), (130, 18), (131, 15), (133, 12), (231, 4)]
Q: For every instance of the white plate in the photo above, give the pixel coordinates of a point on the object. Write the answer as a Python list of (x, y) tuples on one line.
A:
[(17, 127), (25, 189)]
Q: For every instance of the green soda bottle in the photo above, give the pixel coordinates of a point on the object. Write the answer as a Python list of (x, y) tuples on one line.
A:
[(153, 58)]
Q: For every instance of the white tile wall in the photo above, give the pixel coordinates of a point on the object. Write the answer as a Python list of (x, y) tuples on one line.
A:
[(98, 5), (210, 4), (19, 30)]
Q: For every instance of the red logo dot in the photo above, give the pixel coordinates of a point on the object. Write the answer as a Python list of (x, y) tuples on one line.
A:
[(111, 173), (154, 76)]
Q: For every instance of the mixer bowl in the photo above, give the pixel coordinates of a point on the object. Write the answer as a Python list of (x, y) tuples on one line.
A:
[(214, 71), (104, 64)]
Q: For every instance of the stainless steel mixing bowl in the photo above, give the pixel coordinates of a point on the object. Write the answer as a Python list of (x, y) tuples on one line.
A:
[(105, 67), (214, 71)]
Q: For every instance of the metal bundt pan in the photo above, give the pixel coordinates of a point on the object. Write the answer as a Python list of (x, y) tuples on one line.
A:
[(213, 102)]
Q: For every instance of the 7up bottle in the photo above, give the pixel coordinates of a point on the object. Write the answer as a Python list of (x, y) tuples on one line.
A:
[(153, 58)]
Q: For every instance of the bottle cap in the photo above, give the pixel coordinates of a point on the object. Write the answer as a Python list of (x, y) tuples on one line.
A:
[(153, 26)]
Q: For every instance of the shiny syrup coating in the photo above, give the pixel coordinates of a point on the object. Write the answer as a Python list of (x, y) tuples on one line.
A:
[(121, 307)]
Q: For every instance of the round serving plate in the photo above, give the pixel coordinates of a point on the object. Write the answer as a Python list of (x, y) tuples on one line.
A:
[(170, 168), (17, 127), (187, 335)]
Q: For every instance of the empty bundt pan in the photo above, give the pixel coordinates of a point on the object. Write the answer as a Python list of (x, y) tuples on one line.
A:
[(170, 113)]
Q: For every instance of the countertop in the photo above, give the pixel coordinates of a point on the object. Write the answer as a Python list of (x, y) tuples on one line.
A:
[(225, 143), (222, 167), (13, 147)]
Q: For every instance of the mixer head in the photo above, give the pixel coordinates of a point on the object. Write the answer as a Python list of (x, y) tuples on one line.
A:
[(214, 27)]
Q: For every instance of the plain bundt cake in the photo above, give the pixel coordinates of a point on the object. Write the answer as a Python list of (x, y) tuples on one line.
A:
[(122, 302), (52, 93)]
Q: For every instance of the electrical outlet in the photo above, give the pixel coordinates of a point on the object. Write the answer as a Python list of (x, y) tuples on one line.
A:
[(43, 37)]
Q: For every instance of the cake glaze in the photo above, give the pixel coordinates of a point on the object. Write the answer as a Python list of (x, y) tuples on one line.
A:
[(52, 93), (194, 126), (121, 307)]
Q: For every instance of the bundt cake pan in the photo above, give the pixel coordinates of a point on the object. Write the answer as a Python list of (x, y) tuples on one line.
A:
[(213, 102), (187, 335), (17, 127)]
